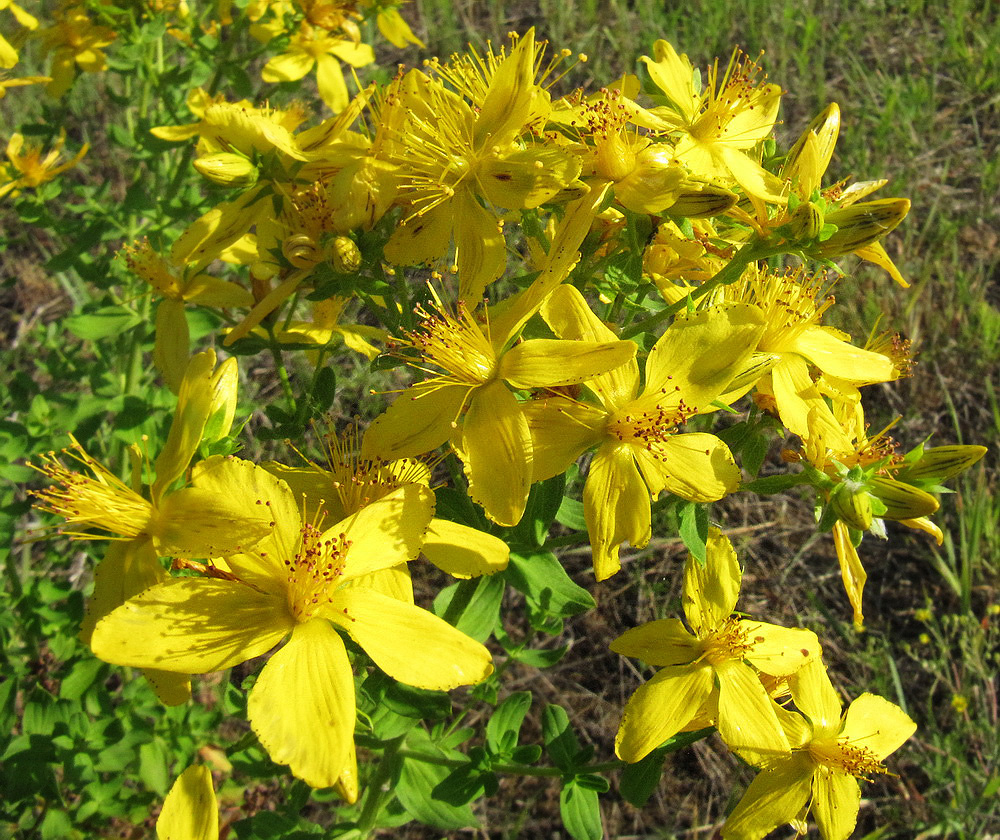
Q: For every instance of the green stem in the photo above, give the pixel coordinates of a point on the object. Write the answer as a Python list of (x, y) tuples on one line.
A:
[(730, 273), (279, 363), (378, 791)]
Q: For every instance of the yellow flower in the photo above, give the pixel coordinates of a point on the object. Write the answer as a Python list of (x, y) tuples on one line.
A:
[(794, 335), (350, 481), (33, 169), (8, 54), (640, 453), (477, 359), (324, 328), (391, 24), (449, 156), (830, 752), (178, 287), (718, 660), (298, 583), (311, 48), (190, 811), (74, 41), (141, 529), (721, 124)]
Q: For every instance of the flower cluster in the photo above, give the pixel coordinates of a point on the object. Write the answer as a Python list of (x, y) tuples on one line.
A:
[(601, 287)]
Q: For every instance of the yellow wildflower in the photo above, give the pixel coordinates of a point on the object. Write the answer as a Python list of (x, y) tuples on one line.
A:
[(718, 660), (640, 453), (298, 583), (830, 752), (74, 41), (722, 123), (310, 48), (190, 811), (34, 170)]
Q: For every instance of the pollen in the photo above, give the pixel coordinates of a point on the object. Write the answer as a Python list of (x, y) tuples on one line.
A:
[(454, 343), (841, 754)]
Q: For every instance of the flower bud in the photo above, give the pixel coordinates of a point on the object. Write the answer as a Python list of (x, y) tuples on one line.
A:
[(810, 156), (700, 201), (301, 250), (860, 225), (344, 255), (852, 506), (805, 223), (227, 169), (901, 500), (614, 157), (944, 462), (653, 184)]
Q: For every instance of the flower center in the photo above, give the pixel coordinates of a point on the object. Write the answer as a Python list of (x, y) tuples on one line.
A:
[(726, 643), (840, 754), (315, 572), (456, 344)]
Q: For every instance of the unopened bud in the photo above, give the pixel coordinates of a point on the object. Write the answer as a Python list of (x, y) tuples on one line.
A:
[(301, 250), (757, 365), (806, 223), (653, 184), (344, 255), (860, 225), (614, 158), (944, 462), (901, 500), (810, 156), (853, 507), (227, 169), (702, 201)]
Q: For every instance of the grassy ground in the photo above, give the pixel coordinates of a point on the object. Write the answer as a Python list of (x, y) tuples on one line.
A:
[(919, 87)]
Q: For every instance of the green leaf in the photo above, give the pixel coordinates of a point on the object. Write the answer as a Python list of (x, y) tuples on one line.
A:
[(560, 740), (81, 677), (639, 780), (154, 758), (504, 724), (694, 528), (580, 812), (544, 503), (419, 703), (539, 658), (56, 825), (544, 581), (473, 606), (102, 323), (570, 514), (418, 781)]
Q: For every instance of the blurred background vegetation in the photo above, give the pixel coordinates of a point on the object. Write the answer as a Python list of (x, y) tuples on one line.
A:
[(918, 83)]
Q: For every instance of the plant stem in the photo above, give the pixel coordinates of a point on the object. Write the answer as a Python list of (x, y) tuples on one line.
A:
[(377, 792), (730, 273)]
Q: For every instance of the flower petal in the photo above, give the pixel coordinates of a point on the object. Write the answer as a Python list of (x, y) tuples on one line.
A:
[(409, 643), (561, 431), (615, 505), (464, 552), (746, 712), (779, 651), (815, 696), (480, 249), (842, 359), (662, 642), (496, 449), (421, 419), (776, 796), (302, 705), (190, 811), (852, 572), (695, 466), (288, 67), (711, 590), (835, 804), (551, 363), (698, 355), (877, 725), (192, 626), (659, 709), (387, 532)]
